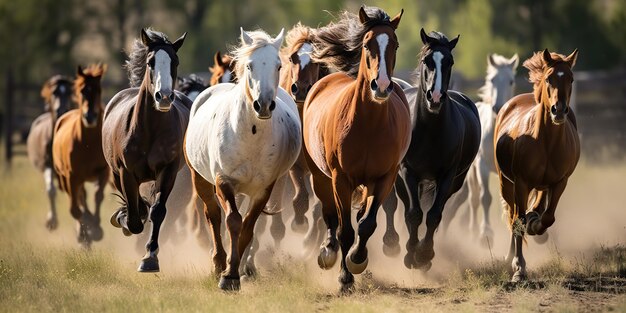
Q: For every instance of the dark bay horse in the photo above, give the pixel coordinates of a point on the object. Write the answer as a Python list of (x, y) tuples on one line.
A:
[(57, 95), (223, 69), (142, 136), (536, 150), (348, 117), (77, 152), (445, 140)]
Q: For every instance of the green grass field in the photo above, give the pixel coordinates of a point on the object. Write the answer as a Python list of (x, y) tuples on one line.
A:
[(583, 267)]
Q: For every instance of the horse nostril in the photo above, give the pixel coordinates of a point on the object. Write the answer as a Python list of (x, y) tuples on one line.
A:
[(256, 105), (172, 96), (553, 109), (294, 88), (272, 105), (374, 85), (429, 95), (158, 97)]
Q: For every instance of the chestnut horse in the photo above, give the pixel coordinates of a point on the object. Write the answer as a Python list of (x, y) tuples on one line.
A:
[(536, 150), (142, 136), (446, 135), (349, 117), (222, 70), (77, 152), (57, 95)]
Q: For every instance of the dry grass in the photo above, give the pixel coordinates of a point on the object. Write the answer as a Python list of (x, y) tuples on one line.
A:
[(47, 272)]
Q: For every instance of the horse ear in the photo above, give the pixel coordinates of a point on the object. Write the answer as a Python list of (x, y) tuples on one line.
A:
[(363, 16), (278, 41), (104, 67), (453, 42), (46, 93), (425, 38), (514, 61), (490, 60), (547, 57), (80, 71), (571, 59), (218, 59), (245, 38), (179, 42), (396, 20), (145, 38)]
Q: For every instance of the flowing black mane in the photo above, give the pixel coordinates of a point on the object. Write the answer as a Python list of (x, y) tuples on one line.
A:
[(338, 45), (136, 64), (190, 83)]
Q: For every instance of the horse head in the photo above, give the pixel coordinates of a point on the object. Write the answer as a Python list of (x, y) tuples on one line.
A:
[(379, 54), (552, 78), (500, 80), (191, 86), (57, 94), (162, 65), (88, 93), (222, 69), (436, 67), (259, 63)]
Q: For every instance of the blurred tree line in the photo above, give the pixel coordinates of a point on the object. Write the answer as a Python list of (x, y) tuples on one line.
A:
[(44, 37)]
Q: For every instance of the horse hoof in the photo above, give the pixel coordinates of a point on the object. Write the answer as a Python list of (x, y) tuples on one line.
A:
[(300, 227), (518, 276), (229, 284), (355, 268), (149, 265), (541, 239), (346, 288), (327, 258), (425, 267), (249, 270), (52, 224), (96, 233), (391, 250), (409, 260)]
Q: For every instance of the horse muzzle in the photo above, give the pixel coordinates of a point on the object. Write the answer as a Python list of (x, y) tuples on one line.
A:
[(558, 116), (380, 95), (164, 100), (435, 99), (264, 110)]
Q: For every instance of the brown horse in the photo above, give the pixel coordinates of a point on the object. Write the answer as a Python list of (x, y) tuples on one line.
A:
[(223, 69), (142, 136), (348, 117), (77, 152), (57, 95), (536, 150)]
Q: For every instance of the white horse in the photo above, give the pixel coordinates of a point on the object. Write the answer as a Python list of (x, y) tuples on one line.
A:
[(241, 138), (498, 89)]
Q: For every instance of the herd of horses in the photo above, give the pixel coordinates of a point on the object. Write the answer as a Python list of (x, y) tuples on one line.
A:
[(326, 110)]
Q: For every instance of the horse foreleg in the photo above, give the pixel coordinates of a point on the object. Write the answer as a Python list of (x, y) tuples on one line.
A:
[(95, 230), (518, 227), (407, 189), (343, 201), (316, 232), (486, 233), (538, 226), (247, 231), (49, 176), (391, 239), (322, 187), (300, 223), (226, 196), (130, 219)]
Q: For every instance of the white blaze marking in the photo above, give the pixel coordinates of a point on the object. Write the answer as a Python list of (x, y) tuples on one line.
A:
[(559, 74), (383, 79), (437, 57), (163, 78), (226, 77), (305, 54)]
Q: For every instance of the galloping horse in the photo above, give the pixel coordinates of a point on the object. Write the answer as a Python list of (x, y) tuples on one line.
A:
[(241, 138), (57, 95), (349, 117), (499, 87), (445, 140), (142, 136), (536, 149), (222, 69), (77, 152)]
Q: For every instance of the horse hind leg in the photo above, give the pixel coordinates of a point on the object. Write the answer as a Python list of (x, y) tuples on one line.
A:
[(486, 233), (391, 239), (164, 184), (518, 227), (95, 229), (315, 235), (52, 221), (275, 203), (300, 223), (248, 268), (407, 189)]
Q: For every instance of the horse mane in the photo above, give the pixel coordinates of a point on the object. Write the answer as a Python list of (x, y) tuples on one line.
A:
[(136, 64), (296, 37), (339, 44), (187, 82), (537, 66), (239, 54), (93, 70)]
